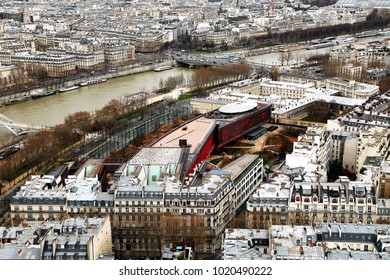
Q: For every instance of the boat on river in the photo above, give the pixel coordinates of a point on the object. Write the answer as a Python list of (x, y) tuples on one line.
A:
[(320, 45), (162, 68), (92, 82), (16, 100), (68, 88), (40, 95)]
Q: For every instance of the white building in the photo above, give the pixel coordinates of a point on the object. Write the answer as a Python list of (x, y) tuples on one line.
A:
[(311, 152), (351, 88), (283, 89)]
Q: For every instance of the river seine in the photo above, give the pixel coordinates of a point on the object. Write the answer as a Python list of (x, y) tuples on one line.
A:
[(53, 109)]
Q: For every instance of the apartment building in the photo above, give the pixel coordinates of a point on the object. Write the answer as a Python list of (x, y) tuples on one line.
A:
[(344, 148), (203, 106), (56, 66), (294, 243), (377, 51), (68, 239), (347, 55), (248, 86), (384, 179), (343, 201), (88, 60), (153, 208), (308, 203), (147, 42), (39, 198), (52, 197), (361, 137), (118, 54), (268, 204), (370, 114), (328, 241), (245, 244), (349, 71), (5, 57), (214, 38), (152, 204), (311, 153)]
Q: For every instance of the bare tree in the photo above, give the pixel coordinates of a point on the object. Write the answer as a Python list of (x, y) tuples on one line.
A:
[(282, 57), (80, 121), (289, 56)]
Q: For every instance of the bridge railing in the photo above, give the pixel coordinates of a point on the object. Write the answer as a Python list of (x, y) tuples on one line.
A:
[(17, 128)]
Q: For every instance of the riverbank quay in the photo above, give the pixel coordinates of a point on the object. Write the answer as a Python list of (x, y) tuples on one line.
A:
[(71, 81)]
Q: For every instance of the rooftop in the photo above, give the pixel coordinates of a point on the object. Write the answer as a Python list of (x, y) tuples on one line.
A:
[(157, 155), (238, 107), (268, 190), (90, 169), (352, 255), (236, 167), (194, 132), (348, 228), (373, 161), (25, 242), (239, 244), (40, 187)]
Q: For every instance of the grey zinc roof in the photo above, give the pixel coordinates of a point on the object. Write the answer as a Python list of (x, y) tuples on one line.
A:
[(236, 167), (157, 156), (353, 255), (349, 228), (13, 251)]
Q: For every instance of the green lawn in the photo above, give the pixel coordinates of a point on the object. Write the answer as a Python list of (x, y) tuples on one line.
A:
[(316, 118), (184, 96)]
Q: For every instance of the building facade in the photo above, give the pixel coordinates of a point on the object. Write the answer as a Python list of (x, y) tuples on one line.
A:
[(154, 202)]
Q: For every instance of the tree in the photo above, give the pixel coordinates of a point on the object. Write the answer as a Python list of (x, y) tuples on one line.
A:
[(193, 230), (274, 73), (298, 58), (63, 135), (289, 56), (262, 72), (173, 82), (80, 122), (36, 72), (282, 57), (105, 118)]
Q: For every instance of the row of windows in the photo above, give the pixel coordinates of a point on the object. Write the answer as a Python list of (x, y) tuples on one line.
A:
[(39, 208)]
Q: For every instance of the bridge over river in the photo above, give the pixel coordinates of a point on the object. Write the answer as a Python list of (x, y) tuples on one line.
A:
[(212, 61), (18, 128)]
